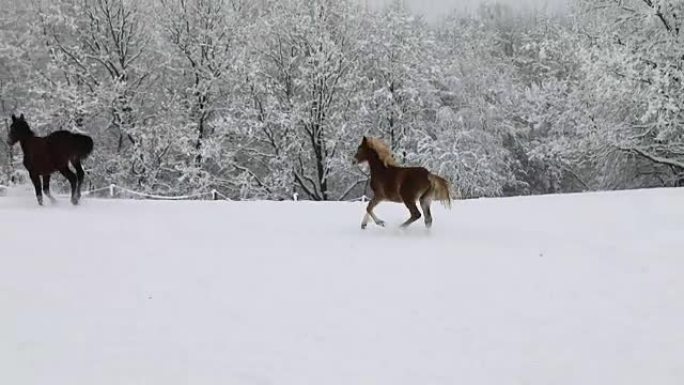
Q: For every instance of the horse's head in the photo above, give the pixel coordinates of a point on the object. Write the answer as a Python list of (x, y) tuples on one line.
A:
[(362, 152), (19, 129), (374, 150)]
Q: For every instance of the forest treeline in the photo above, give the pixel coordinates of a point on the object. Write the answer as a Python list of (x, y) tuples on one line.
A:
[(264, 99)]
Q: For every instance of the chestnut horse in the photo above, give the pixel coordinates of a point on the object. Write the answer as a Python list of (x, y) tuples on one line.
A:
[(407, 185), (45, 155)]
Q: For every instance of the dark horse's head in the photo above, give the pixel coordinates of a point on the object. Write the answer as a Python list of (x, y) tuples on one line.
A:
[(18, 130)]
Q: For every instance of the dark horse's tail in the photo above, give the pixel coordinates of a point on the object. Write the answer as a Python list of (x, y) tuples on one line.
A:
[(83, 145)]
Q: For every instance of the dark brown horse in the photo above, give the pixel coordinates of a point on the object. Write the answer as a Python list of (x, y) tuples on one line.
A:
[(399, 184), (45, 155)]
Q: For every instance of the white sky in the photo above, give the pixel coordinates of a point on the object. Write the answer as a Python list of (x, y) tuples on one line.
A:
[(435, 8)]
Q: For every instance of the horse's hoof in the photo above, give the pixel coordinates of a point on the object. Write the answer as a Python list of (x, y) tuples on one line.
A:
[(363, 226), (74, 201), (380, 223)]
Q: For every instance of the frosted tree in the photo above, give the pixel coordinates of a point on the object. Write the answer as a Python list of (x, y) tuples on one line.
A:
[(99, 46), (399, 60), (203, 34), (508, 93), (96, 77), (550, 114), (12, 70), (302, 91), (205, 41), (465, 139), (475, 160), (634, 60)]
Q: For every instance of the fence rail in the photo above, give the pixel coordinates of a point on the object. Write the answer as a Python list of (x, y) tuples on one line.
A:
[(116, 191), (113, 191)]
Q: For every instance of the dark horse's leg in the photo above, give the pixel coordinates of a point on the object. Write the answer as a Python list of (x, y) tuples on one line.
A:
[(369, 214), (46, 188), (73, 180), (79, 175), (35, 178)]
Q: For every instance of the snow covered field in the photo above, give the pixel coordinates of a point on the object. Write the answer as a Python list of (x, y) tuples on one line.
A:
[(574, 289)]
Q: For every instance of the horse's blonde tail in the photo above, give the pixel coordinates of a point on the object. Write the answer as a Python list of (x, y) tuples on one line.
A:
[(440, 189)]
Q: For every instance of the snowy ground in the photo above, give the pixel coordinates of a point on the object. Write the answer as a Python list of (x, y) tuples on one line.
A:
[(575, 289)]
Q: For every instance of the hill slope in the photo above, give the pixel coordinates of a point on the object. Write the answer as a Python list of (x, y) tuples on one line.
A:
[(575, 289)]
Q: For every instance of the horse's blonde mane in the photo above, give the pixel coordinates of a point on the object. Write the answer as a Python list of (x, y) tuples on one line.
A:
[(383, 151)]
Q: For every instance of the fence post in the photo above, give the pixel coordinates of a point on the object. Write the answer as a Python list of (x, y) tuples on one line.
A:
[(111, 191), (214, 195), (295, 197)]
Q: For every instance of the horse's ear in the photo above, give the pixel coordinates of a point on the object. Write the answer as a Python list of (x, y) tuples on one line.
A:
[(365, 139), (14, 118), (21, 117)]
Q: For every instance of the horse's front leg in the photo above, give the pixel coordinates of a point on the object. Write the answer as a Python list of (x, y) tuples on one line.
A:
[(35, 178), (369, 213)]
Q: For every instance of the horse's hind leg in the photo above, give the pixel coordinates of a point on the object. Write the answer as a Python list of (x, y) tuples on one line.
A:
[(73, 181), (80, 174), (369, 214), (46, 188), (425, 202), (35, 178), (415, 213)]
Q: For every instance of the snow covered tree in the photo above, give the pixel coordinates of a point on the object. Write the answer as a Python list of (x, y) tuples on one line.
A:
[(302, 93), (204, 40), (98, 45), (13, 68), (95, 78), (634, 60), (203, 34), (399, 62)]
